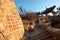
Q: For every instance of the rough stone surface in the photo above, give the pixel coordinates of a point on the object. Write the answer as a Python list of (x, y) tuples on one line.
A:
[(11, 27)]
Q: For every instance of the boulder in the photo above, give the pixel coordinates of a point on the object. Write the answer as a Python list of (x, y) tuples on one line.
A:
[(11, 26)]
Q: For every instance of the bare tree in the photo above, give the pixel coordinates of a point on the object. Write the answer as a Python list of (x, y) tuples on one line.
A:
[(22, 10), (58, 11)]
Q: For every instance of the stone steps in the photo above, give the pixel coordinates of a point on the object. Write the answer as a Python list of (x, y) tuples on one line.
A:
[(40, 36)]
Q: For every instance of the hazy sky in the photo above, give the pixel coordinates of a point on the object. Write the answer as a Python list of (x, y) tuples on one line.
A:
[(36, 5)]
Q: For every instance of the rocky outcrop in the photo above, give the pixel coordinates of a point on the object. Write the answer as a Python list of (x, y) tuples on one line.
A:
[(11, 27)]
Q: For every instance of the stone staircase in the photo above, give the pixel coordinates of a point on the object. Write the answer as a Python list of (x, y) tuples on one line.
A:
[(39, 34)]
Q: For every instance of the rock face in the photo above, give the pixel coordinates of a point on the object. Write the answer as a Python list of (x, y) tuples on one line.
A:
[(11, 27)]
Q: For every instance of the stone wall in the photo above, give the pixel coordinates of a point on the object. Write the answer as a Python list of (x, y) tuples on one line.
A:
[(11, 27)]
